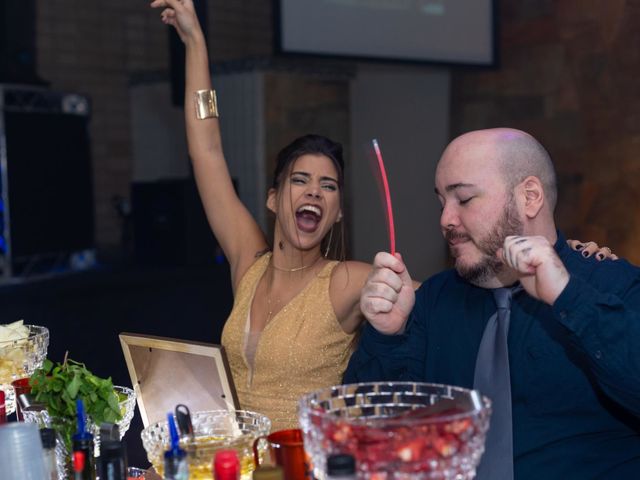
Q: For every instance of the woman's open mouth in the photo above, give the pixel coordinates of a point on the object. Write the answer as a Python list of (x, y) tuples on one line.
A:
[(308, 218)]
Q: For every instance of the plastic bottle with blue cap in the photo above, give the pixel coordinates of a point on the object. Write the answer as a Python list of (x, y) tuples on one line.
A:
[(82, 443), (176, 465)]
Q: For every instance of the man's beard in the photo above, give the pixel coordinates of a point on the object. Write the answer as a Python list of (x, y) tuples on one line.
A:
[(490, 265)]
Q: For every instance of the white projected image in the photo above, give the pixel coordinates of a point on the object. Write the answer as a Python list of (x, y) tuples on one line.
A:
[(454, 31)]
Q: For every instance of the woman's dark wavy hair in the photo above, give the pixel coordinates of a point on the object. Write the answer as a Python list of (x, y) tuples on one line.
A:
[(316, 145)]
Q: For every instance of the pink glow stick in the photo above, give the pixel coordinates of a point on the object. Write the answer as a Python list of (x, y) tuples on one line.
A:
[(387, 196)]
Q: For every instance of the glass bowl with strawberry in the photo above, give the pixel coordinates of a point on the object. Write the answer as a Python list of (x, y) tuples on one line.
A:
[(397, 430)]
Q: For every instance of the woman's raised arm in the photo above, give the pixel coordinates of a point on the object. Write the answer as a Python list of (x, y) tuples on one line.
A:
[(235, 229)]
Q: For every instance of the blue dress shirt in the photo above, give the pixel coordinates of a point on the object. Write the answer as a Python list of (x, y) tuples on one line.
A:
[(575, 366)]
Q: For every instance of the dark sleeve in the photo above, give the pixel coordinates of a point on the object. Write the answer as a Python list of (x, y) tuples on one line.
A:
[(378, 357), (382, 357), (606, 328)]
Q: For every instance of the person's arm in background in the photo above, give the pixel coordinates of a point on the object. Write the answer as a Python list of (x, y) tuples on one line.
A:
[(235, 229)]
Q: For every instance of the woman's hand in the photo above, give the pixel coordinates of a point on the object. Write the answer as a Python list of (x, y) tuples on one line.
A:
[(589, 248), (181, 15)]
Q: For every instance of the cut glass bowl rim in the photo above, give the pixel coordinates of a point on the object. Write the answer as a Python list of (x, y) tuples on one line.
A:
[(308, 404), (35, 331), (147, 432)]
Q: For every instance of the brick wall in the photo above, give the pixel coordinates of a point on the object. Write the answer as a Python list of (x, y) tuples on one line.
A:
[(569, 77), (96, 49), (240, 28)]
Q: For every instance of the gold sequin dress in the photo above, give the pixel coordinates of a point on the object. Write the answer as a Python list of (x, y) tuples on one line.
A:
[(302, 348)]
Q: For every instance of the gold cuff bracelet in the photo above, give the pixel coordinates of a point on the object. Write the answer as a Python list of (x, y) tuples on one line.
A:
[(206, 104)]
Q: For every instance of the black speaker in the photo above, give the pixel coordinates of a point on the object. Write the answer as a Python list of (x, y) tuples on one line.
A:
[(18, 42), (47, 187), (169, 225)]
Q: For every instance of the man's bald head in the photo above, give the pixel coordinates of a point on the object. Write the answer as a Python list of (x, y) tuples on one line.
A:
[(518, 156)]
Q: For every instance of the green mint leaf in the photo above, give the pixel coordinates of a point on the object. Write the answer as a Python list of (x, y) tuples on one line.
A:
[(73, 387)]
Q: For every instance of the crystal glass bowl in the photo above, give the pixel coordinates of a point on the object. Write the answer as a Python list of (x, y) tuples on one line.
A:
[(127, 407), (20, 358), (397, 430), (42, 418), (214, 430)]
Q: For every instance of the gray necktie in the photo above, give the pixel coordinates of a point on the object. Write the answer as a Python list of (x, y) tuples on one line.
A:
[(492, 378)]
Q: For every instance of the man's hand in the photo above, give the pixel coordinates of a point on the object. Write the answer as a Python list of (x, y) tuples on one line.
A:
[(542, 273), (388, 296)]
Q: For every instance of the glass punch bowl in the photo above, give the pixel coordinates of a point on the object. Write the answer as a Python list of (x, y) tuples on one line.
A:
[(20, 358), (213, 430), (397, 430)]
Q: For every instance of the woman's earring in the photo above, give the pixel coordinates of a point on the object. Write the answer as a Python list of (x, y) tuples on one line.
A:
[(326, 252), (281, 245)]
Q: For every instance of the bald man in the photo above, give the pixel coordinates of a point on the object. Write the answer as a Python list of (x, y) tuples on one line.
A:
[(572, 329)]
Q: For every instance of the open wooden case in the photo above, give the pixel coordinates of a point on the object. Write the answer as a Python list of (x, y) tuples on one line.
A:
[(165, 372)]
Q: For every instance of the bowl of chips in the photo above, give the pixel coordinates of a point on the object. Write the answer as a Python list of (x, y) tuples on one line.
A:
[(23, 349)]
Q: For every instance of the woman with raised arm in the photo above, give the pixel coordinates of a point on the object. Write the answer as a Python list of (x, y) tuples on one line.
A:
[(296, 311)]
